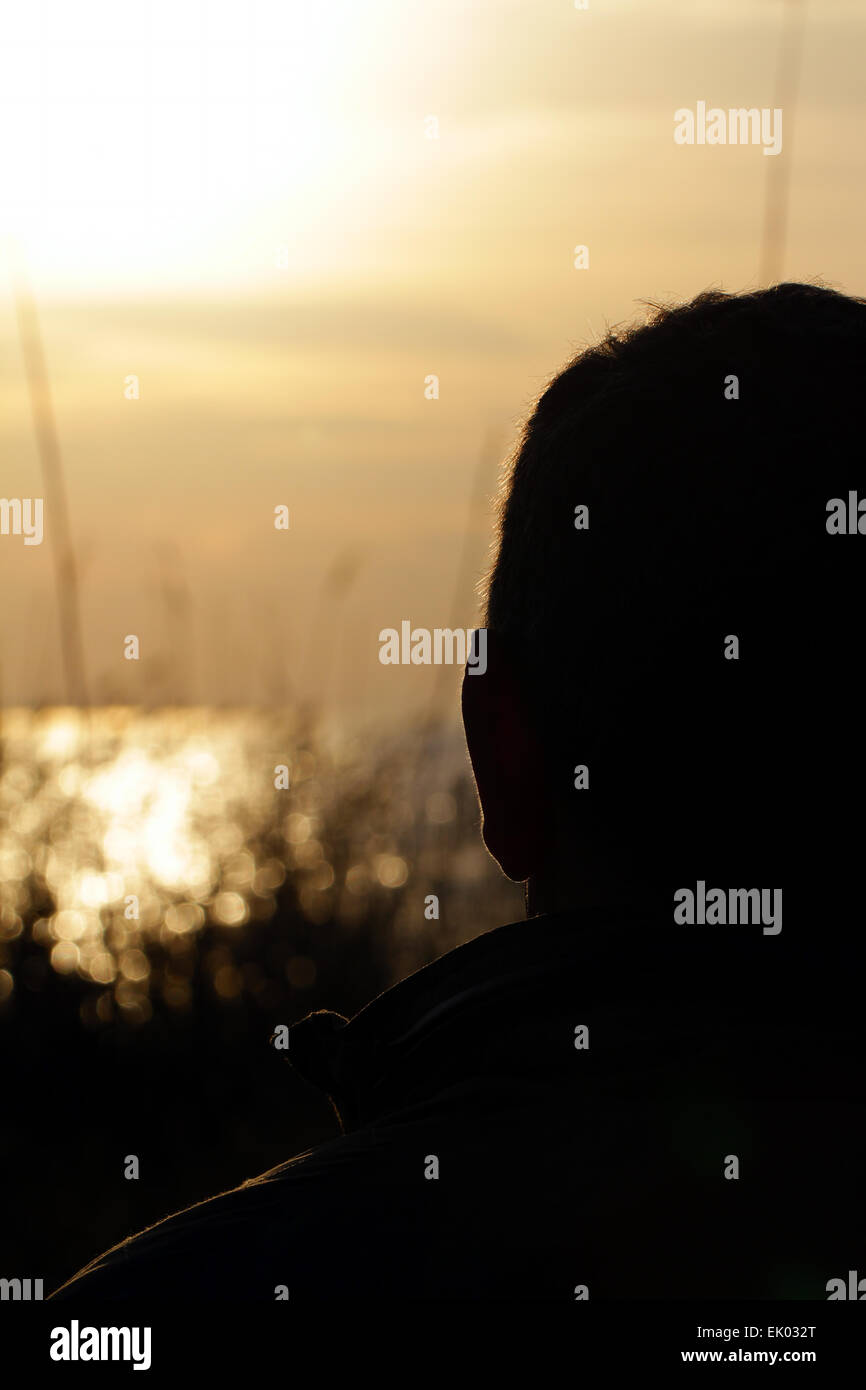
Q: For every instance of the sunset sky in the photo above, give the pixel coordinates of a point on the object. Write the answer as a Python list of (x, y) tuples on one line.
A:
[(239, 204)]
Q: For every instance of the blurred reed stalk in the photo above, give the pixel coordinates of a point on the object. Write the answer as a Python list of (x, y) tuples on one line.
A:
[(48, 446), (328, 615), (176, 599), (778, 185)]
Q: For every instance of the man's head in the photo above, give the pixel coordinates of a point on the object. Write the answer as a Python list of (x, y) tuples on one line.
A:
[(668, 495)]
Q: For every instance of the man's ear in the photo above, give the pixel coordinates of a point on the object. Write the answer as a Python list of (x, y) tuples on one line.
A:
[(507, 761)]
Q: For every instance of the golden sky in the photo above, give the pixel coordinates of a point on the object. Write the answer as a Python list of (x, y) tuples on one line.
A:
[(240, 204)]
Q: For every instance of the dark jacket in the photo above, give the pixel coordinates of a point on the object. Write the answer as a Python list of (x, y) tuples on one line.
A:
[(490, 1153)]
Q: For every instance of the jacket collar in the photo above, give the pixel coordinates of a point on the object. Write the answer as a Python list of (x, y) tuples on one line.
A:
[(499, 1004), (429, 1022)]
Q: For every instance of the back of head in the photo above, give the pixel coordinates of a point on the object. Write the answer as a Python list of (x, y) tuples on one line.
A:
[(693, 637)]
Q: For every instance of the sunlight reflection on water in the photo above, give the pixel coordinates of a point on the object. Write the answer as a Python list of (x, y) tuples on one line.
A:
[(123, 833), (121, 827)]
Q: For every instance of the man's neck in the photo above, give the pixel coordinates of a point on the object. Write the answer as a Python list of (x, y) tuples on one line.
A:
[(583, 889)]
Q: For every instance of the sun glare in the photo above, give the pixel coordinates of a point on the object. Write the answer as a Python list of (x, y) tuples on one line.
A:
[(173, 142)]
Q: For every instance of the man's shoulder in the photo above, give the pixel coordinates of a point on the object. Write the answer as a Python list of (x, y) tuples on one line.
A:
[(244, 1241)]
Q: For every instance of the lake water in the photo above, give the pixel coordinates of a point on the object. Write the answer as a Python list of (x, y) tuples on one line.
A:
[(123, 833)]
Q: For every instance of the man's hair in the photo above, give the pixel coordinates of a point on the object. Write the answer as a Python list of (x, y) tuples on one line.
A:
[(707, 519)]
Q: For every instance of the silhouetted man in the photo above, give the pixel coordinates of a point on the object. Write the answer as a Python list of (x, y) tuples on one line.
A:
[(654, 1086)]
